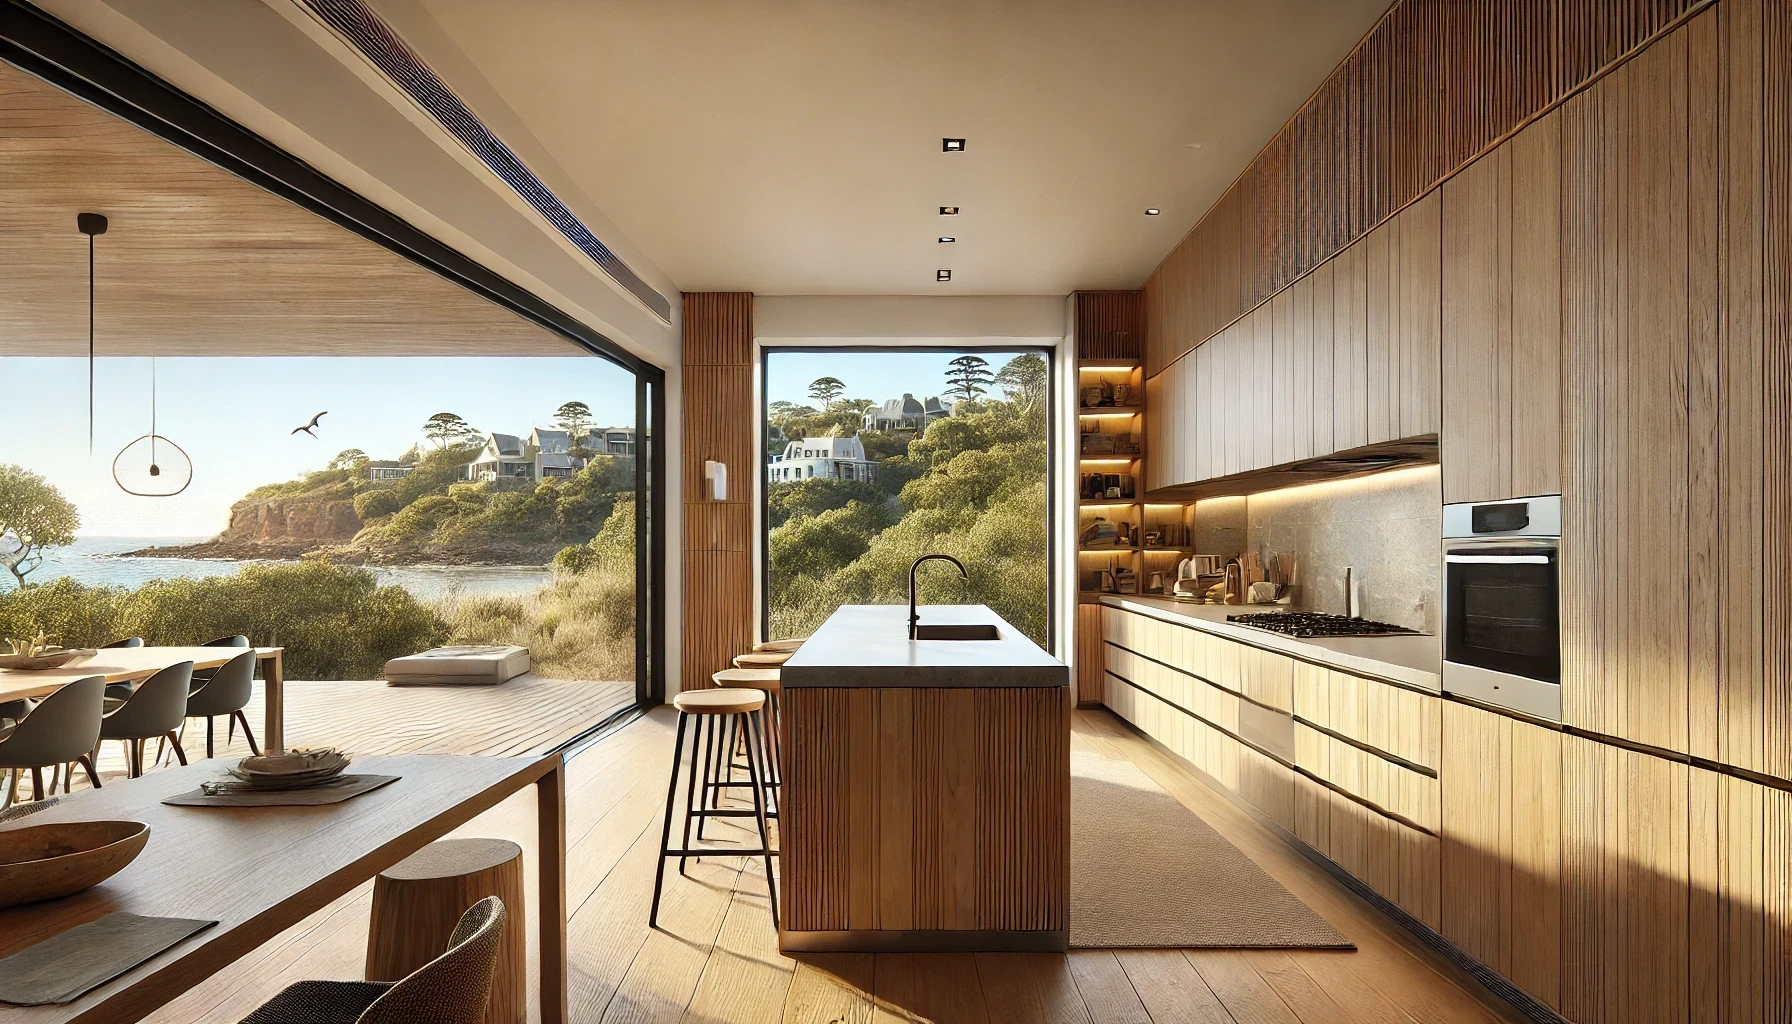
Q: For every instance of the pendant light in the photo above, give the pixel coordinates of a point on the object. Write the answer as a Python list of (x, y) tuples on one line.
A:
[(151, 466)]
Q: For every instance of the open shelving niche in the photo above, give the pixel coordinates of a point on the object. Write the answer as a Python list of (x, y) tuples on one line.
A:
[(1140, 515)]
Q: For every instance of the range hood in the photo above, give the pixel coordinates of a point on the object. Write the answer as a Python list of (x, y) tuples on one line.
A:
[(1374, 458)]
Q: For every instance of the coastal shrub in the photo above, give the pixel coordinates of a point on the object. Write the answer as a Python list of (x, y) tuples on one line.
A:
[(579, 626), (335, 622), (69, 613), (376, 504)]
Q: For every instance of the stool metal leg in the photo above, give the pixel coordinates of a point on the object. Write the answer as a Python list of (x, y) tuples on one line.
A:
[(659, 871), (692, 794), (765, 841), (708, 798)]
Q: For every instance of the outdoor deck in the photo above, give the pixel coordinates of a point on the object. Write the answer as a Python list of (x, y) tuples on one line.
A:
[(716, 959)]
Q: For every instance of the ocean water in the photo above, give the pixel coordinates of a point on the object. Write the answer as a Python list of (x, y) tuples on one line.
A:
[(100, 561)]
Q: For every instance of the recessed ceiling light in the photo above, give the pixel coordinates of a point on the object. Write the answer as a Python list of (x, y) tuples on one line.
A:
[(948, 211), (947, 238), (1154, 211), (951, 145), (942, 275)]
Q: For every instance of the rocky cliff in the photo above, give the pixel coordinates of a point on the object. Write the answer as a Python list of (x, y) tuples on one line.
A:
[(284, 527)]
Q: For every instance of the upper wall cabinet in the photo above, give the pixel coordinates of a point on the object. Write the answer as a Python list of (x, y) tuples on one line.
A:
[(1502, 320), (1346, 356)]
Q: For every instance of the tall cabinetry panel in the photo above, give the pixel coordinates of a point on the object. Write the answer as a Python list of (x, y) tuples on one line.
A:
[(1502, 304), (1630, 325)]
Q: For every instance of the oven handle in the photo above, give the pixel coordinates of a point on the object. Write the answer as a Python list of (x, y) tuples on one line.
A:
[(1499, 559)]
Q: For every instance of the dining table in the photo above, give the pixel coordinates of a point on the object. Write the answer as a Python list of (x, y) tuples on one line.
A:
[(133, 664), (258, 871)]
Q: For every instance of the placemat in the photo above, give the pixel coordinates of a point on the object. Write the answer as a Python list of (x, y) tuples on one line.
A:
[(65, 966), (335, 791)]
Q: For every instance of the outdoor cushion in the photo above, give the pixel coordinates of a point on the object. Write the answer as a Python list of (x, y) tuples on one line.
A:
[(459, 666)]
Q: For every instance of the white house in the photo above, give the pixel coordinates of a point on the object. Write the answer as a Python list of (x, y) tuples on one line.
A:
[(907, 413), (546, 453), (831, 458), (386, 470)]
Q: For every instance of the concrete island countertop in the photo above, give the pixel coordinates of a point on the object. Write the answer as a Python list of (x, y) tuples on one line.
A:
[(1412, 660), (868, 645)]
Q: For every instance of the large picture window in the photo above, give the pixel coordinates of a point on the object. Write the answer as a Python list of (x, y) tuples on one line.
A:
[(876, 457)]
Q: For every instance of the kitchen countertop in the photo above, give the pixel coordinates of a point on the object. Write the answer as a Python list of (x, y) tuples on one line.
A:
[(1412, 660), (868, 645)]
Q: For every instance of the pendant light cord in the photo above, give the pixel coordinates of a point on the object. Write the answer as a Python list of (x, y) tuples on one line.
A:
[(90, 360)]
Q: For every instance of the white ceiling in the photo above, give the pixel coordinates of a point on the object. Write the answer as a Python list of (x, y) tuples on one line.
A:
[(791, 147)]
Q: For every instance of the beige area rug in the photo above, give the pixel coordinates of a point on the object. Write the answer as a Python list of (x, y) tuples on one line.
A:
[(1146, 871)]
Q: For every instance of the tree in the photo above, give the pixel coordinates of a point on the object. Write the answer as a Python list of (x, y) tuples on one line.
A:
[(574, 418), (33, 516), (826, 389), (968, 377), (348, 458), (1023, 378), (445, 428)]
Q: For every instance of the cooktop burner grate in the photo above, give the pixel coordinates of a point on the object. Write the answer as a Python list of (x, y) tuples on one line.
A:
[(1315, 624)]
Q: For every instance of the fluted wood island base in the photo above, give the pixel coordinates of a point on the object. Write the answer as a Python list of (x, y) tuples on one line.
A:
[(926, 800)]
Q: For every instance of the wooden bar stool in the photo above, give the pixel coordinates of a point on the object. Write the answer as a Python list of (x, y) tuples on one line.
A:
[(779, 646), (711, 710), (418, 902), (762, 659), (767, 681)]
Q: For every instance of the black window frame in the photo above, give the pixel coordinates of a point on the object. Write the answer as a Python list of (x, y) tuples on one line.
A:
[(1050, 352)]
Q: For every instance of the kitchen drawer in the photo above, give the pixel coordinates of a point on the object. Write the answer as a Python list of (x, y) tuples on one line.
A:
[(1401, 722), (1207, 701), (1394, 788)]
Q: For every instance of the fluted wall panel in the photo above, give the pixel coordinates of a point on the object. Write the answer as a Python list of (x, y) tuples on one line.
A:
[(1434, 84)]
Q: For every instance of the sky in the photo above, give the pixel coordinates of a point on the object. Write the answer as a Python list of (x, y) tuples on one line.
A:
[(234, 417), (874, 375)]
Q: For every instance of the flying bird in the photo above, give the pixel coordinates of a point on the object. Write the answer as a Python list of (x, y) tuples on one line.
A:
[(307, 427)]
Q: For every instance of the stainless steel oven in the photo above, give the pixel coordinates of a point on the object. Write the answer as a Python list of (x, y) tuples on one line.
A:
[(1502, 627)]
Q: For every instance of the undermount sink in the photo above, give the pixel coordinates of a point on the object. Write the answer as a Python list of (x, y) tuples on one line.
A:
[(957, 631)]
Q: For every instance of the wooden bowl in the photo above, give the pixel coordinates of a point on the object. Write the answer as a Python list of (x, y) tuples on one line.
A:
[(47, 862), (46, 660)]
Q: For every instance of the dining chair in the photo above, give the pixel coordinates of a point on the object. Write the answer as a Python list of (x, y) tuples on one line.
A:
[(454, 988), (63, 728), (200, 675), (119, 691), (155, 710), (226, 693)]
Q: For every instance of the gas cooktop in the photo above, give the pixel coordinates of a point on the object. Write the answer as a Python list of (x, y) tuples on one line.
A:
[(1315, 624)]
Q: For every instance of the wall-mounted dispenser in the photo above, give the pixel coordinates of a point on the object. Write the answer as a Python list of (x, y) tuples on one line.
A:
[(715, 474)]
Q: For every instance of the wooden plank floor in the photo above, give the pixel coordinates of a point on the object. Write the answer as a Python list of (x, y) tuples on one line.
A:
[(716, 959)]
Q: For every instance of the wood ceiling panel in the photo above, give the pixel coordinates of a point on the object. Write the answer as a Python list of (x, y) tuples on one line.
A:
[(198, 261)]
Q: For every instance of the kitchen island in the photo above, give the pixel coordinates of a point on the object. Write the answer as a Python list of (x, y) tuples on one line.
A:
[(926, 796)]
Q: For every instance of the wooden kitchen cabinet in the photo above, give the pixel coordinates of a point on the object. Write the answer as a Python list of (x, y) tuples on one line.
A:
[(1502, 845), (1502, 320)]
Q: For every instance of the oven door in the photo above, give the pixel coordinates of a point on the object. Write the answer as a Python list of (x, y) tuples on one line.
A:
[(1502, 635)]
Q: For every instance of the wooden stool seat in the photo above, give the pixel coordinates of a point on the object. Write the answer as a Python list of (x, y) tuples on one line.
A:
[(762, 659), (778, 646), (418, 901), (766, 679), (719, 702)]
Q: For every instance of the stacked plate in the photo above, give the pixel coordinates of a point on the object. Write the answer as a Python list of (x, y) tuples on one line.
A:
[(296, 769)]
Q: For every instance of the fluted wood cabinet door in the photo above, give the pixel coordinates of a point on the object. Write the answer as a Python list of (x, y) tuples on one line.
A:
[(1501, 433)]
